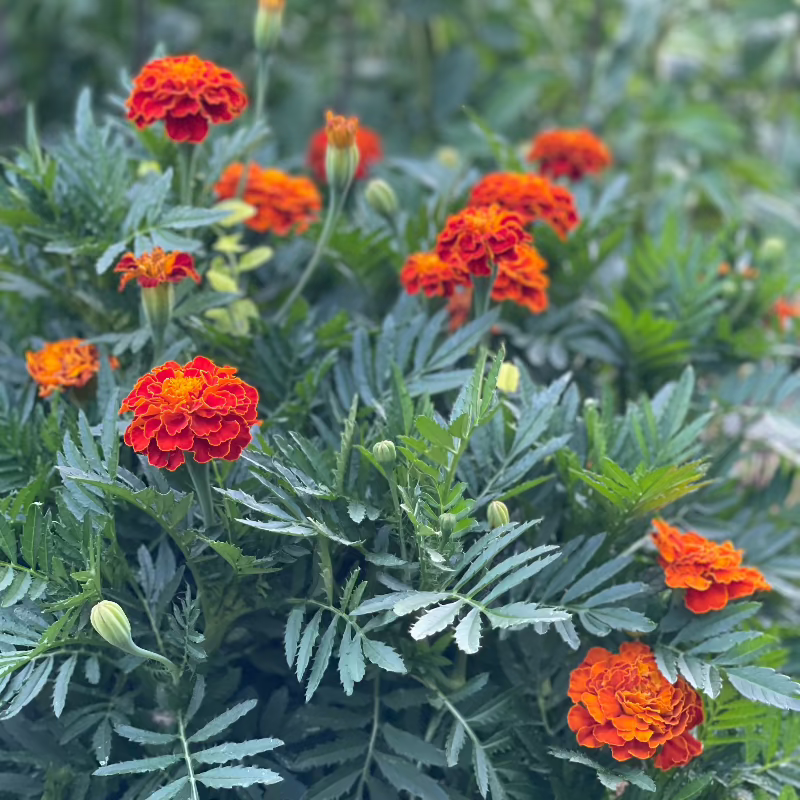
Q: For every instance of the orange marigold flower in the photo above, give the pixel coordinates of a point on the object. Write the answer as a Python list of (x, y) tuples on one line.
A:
[(196, 408), (370, 148), (570, 154), (624, 701), (69, 363), (341, 132), (786, 310), (459, 306), (533, 197), (711, 573), (189, 94), (522, 280), (428, 273), (476, 238), (283, 202), (156, 267)]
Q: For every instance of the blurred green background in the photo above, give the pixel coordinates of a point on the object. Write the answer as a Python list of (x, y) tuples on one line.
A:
[(702, 92)]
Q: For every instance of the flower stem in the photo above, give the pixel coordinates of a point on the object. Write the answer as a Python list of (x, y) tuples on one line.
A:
[(187, 757), (187, 164), (202, 486), (334, 208), (157, 303), (262, 85)]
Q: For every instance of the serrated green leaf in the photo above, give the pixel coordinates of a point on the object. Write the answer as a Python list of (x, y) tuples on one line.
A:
[(223, 721), (231, 777), (61, 684), (234, 751), (142, 736), (436, 620), (765, 685), (138, 765), (322, 658)]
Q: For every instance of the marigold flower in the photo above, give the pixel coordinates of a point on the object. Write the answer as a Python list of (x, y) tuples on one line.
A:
[(624, 701), (459, 306), (476, 238), (369, 145), (272, 5), (283, 203), (156, 267), (197, 408), (189, 94), (428, 273), (69, 363), (711, 573), (786, 310), (531, 196), (341, 132), (571, 154), (522, 280)]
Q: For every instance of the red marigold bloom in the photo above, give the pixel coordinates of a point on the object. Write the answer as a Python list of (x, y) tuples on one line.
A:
[(427, 272), (156, 267), (369, 145), (196, 408), (711, 573), (283, 202), (476, 238), (533, 197), (570, 154), (624, 701), (69, 363), (522, 280), (189, 94)]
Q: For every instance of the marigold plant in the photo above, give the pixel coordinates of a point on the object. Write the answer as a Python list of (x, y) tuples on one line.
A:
[(188, 94), (197, 408), (711, 573), (570, 153), (283, 203), (67, 364)]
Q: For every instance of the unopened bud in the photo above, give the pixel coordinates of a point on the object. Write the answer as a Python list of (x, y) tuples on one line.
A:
[(385, 453), (497, 514), (268, 24), (342, 155), (772, 249), (448, 157), (447, 523), (381, 197), (508, 378)]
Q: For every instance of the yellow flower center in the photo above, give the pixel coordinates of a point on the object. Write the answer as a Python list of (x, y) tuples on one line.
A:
[(180, 389), (153, 265)]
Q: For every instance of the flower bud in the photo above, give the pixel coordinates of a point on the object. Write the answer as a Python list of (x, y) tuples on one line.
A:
[(385, 453), (508, 378), (772, 249), (381, 197), (497, 514), (448, 157), (342, 155), (268, 24), (447, 522), (111, 622)]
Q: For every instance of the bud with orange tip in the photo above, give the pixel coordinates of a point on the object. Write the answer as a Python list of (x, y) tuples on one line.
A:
[(342, 155)]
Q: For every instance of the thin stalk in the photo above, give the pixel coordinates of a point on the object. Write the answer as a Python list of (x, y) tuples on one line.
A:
[(188, 759), (187, 163), (202, 486), (334, 208), (376, 714), (262, 85)]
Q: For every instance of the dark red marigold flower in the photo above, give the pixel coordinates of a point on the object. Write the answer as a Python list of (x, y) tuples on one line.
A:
[(189, 94), (624, 701), (570, 154), (283, 202), (475, 239), (533, 197), (428, 273), (69, 363), (197, 408), (711, 573), (522, 280), (370, 147), (156, 267)]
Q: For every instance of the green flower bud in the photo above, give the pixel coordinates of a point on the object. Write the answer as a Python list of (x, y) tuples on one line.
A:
[(447, 522), (497, 514), (381, 197), (385, 453), (772, 249), (268, 24), (449, 157), (341, 165)]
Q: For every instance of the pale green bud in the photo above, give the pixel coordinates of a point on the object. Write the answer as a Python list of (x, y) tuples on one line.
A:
[(497, 514), (381, 197), (341, 164), (111, 622), (268, 25), (772, 249), (447, 522), (385, 453)]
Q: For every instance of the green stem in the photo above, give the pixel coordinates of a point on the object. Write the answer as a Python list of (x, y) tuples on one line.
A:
[(188, 759), (262, 85), (202, 486), (376, 714), (157, 303), (334, 208), (187, 164)]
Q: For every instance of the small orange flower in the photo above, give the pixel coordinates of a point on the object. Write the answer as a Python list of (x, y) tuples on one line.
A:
[(69, 363), (341, 132), (522, 280), (476, 238), (711, 573), (154, 268), (189, 94), (724, 269), (272, 5), (531, 196), (624, 701), (570, 154), (428, 273), (283, 202), (369, 145), (786, 310), (197, 408), (459, 306)]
